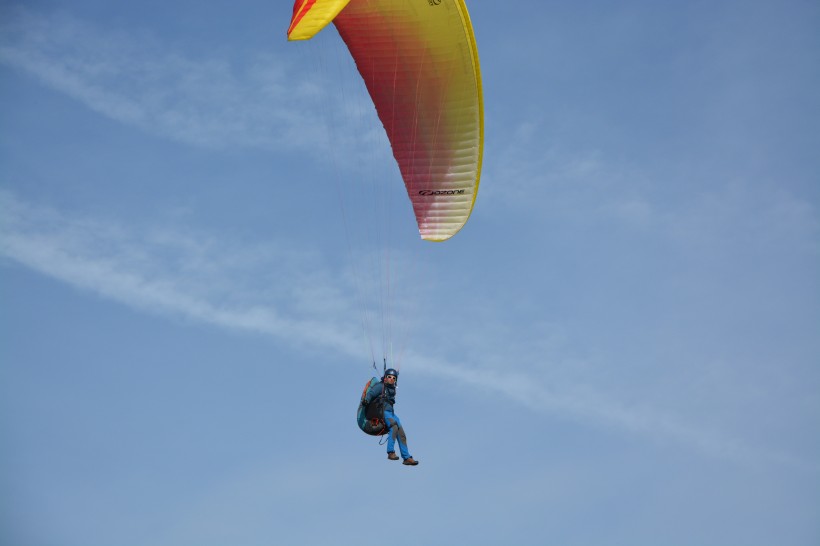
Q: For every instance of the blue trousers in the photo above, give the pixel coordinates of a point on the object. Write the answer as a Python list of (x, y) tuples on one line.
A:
[(396, 433)]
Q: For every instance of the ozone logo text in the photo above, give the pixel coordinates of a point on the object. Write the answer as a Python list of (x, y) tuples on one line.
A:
[(441, 192)]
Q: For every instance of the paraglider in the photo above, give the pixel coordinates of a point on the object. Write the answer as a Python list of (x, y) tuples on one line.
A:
[(419, 63), (376, 415)]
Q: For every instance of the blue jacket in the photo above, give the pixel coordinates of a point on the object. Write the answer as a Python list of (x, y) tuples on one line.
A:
[(389, 394)]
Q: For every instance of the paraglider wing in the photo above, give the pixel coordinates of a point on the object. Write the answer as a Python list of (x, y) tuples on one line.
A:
[(420, 64)]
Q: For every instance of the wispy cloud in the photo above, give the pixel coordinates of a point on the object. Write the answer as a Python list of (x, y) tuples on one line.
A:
[(194, 277), (166, 272), (245, 100)]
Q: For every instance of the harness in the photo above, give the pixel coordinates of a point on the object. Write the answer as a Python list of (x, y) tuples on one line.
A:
[(370, 416)]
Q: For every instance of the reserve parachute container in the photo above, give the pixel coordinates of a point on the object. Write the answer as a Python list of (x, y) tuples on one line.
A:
[(370, 417)]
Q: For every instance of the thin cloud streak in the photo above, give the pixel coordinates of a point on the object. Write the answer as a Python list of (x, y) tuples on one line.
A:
[(257, 101), (116, 265), (586, 404), (104, 259)]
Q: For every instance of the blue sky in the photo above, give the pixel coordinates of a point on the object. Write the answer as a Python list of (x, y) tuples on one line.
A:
[(621, 347)]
